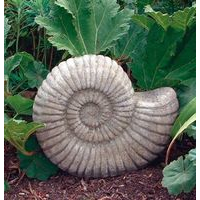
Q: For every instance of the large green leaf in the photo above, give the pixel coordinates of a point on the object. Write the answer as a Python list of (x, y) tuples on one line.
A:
[(151, 63), (21, 105), (179, 20), (37, 166), (179, 176), (17, 133), (160, 18), (184, 18), (130, 43), (85, 27), (143, 21), (168, 57), (187, 116)]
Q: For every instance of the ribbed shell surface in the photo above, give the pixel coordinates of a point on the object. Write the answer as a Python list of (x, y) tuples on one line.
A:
[(96, 126)]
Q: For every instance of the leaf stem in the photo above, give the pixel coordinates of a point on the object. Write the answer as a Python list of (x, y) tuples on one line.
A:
[(33, 37), (45, 49), (38, 46), (51, 58), (18, 30)]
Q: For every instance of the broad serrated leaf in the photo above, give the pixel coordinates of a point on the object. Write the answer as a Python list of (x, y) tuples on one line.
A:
[(17, 133), (35, 74), (21, 105), (85, 27), (130, 43), (152, 64), (143, 21), (187, 116), (179, 20), (179, 176), (160, 18), (169, 57), (184, 18), (37, 166)]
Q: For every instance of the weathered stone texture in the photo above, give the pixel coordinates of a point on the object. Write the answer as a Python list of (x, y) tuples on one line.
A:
[(96, 126)]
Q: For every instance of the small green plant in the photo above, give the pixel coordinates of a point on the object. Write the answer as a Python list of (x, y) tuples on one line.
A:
[(180, 175)]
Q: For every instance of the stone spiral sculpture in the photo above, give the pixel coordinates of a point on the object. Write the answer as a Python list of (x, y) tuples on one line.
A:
[(96, 126)]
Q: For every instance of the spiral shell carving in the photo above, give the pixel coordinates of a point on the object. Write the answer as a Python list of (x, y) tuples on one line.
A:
[(96, 126)]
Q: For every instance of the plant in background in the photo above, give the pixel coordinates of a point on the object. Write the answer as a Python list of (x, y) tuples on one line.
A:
[(6, 30), (24, 72), (165, 6), (15, 12), (36, 8)]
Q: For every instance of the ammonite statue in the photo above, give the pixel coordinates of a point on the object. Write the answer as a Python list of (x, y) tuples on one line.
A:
[(96, 125)]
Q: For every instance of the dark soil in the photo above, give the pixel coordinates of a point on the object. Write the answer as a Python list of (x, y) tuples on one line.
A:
[(144, 184)]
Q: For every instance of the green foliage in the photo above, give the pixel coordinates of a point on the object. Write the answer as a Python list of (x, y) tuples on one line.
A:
[(179, 176), (37, 165), (11, 63), (191, 131), (6, 30), (192, 156), (85, 27), (17, 17), (186, 91), (131, 43), (6, 118), (18, 131), (163, 53), (187, 116), (21, 105), (35, 74), (24, 72), (168, 57), (35, 8)]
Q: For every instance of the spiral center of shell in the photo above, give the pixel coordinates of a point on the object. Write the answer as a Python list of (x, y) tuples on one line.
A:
[(90, 115)]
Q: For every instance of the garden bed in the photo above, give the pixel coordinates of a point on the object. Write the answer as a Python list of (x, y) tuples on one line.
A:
[(144, 184)]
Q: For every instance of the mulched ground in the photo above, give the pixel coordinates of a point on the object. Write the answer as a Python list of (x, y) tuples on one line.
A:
[(144, 184)]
